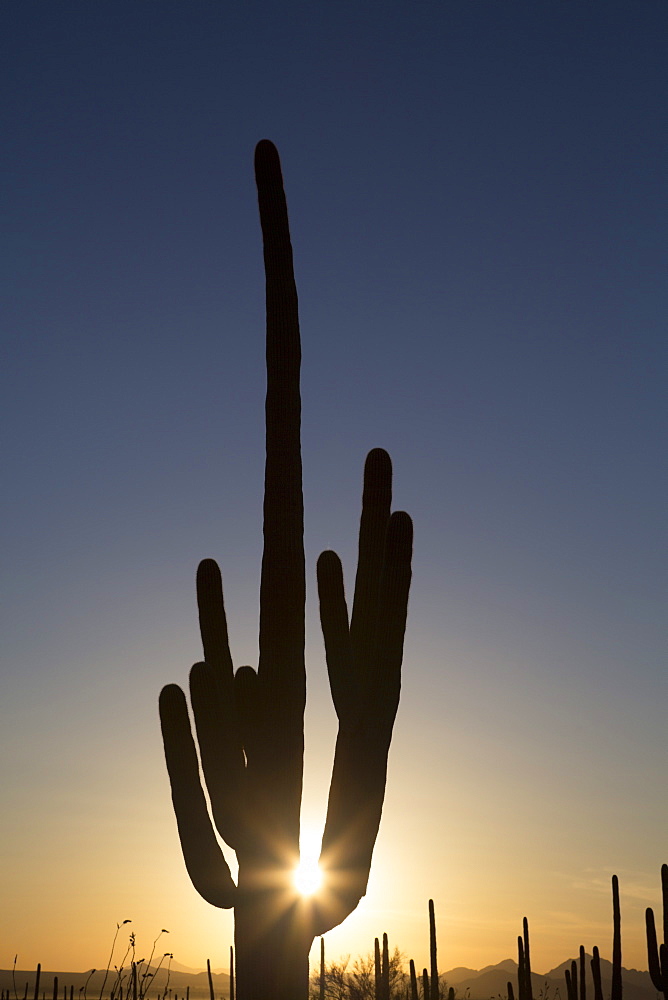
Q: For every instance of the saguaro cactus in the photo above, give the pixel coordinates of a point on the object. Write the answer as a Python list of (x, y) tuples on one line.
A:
[(249, 724), (616, 987), (524, 986), (596, 973), (657, 955), (434, 990)]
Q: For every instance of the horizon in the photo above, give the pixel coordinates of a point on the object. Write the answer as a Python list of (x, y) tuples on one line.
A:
[(178, 967), (478, 212)]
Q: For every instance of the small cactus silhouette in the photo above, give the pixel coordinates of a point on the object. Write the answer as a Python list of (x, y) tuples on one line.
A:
[(524, 987), (596, 974), (434, 989), (616, 987), (250, 724), (657, 955)]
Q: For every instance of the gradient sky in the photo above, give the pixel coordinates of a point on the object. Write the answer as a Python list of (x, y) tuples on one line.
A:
[(477, 193)]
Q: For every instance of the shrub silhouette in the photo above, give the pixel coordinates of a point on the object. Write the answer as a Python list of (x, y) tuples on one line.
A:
[(249, 724)]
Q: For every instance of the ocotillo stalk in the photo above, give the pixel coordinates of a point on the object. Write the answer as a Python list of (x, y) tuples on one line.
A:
[(250, 724), (616, 989), (596, 974), (657, 955), (583, 986), (413, 977), (377, 971), (322, 968), (434, 991), (231, 973)]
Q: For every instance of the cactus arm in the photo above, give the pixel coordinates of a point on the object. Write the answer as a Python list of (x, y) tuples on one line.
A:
[(365, 669), (391, 622), (204, 859), (212, 699), (336, 634), (376, 503)]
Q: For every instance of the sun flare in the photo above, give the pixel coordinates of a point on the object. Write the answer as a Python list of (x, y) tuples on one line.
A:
[(308, 877), (308, 874)]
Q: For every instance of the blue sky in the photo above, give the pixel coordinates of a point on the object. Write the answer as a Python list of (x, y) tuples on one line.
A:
[(477, 194)]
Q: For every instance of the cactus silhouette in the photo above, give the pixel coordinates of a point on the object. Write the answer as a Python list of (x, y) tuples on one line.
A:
[(596, 974), (413, 980), (250, 724), (657, 955), (524, 987), (434, 989), (616, 987)]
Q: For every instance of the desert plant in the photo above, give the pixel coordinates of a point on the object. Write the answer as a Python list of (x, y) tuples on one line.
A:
[(212, 995), (249, 724), (616, 988), (524, 987), (571, 978), (433, 987), (413, 977), (321, 985), (657, 955), (111, 955), (596, 973)]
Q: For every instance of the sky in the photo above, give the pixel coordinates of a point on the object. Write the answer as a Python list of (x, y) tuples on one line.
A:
[(477, 195)]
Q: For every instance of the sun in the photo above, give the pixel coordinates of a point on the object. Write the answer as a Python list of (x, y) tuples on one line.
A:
[(307, 876)]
